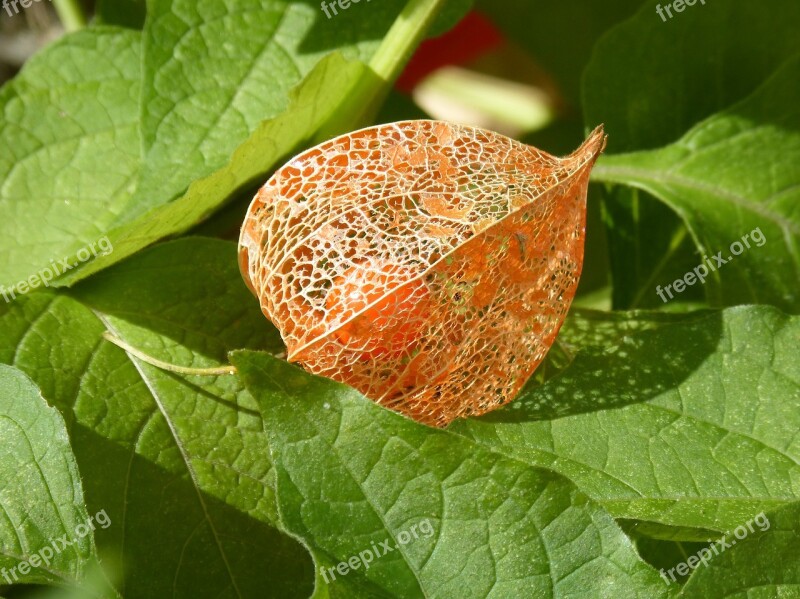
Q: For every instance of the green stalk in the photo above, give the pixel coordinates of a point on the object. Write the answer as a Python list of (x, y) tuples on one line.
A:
[(137, 353), (384, 68), (70, 14), (403, 38)]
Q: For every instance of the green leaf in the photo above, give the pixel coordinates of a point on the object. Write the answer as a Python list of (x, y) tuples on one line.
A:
[(731, 175), (82, 171), (684, 424), (312, 103), (352, 475), (760, 562), (69, 130), (197, 111), (40, 491), (180, 463), (325, 88), (684, 70)]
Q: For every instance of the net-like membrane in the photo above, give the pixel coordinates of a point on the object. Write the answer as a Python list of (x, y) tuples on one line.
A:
[(426, 264)]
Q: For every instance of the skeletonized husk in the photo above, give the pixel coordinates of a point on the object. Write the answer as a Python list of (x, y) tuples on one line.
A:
[(468, 246)]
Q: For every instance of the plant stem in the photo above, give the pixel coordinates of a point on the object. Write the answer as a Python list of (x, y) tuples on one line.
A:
[(403, 38), (71, 14), (384, 68), (219, 371)]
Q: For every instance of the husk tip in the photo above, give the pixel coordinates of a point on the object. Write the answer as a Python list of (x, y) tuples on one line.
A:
[(595, 143)]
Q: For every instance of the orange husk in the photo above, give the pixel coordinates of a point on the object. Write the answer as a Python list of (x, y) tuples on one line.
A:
[(484, 233)]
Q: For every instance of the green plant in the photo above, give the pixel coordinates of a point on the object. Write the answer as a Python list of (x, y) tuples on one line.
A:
[(649, 431)]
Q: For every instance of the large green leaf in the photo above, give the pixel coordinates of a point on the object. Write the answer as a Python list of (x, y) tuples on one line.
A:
[(682, 71), (312, 104), (353, 476), (44, 537), (683, 424), (730, 175), (685, 70), (69, 133), (213, 71), (180, 463)]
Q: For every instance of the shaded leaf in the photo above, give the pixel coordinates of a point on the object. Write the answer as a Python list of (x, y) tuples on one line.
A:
[(664, 555), (125, 13), (650, 245), (735, 176), (41, 499), (683, 71), (180, 463)]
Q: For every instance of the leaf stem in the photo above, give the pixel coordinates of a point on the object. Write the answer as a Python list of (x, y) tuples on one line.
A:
[(406, 33), (70, 14), (384, 68), (218, 371)]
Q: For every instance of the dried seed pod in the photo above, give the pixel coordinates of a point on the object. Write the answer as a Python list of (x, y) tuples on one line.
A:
[(426, 264)]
